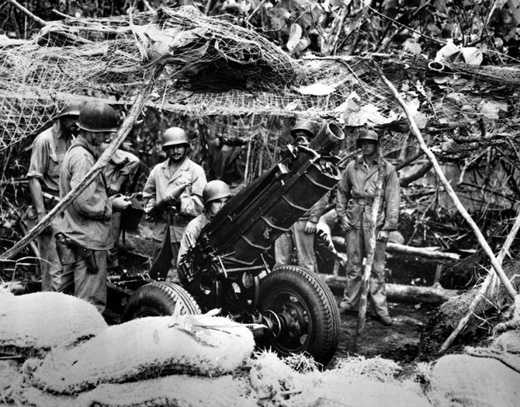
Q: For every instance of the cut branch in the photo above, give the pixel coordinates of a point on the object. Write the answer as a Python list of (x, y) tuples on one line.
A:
[(27, 12), (486, 285), (449, 189)]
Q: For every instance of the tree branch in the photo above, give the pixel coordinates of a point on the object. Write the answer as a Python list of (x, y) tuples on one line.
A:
[(449, 189)]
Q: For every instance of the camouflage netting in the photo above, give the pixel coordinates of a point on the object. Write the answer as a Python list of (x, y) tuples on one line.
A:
[(214, 69)]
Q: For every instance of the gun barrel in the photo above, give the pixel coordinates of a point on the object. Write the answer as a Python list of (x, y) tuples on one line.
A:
[(327, 138), (252, 220)]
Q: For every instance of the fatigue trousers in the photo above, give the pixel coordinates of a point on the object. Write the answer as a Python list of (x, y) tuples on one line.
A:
[(357, 242), (50, 265), (87, 286), (303, 242)]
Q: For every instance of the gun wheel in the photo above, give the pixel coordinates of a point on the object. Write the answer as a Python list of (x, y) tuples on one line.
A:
[(301, 312), (159, 299)]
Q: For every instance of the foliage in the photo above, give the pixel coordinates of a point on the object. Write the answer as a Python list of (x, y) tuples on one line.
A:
[(476, 32)]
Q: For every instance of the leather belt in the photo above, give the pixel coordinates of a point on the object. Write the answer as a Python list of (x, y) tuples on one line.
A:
[(364, 201)]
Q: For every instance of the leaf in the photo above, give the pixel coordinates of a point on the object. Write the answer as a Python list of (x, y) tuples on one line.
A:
[(294, 37), (489, 110), (412, 47), (421, 120), (316, 89), (369, 114), (472, 55), (448, 52)]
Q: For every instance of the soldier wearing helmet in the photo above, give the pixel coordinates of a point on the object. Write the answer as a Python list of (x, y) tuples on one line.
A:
[(302, 233), (48, 150), (215, 195), (86, 223), (173, 192), (355, 198)]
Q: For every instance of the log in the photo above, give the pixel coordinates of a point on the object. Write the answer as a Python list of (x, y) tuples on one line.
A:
[(398, 292), (424, 252)]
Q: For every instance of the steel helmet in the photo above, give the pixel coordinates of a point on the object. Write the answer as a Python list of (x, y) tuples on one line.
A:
[(97, 117), (304, 125), (214, 190), (174, 136), (367, 134), (71, 109)]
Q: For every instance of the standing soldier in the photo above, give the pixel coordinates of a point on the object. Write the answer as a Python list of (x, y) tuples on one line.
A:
[(86, 224), (48, 150), (174, 197), (120, 171), (302, 233), (355, 196)]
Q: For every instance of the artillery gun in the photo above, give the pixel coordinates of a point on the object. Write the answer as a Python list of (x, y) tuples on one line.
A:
[(292, 310)]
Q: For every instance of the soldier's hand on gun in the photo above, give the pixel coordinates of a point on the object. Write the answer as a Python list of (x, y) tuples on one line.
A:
[(120, 202), (343, 224), (383, 235), (311, 227)]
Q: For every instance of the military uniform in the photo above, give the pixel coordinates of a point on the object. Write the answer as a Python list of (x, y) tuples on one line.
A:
[(355, 196), (48, 151), (160, 183), (87, 221)]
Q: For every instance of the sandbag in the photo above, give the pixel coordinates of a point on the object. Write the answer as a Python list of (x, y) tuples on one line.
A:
[(32, 324), (178, 390), (474, 382), (146, 348)]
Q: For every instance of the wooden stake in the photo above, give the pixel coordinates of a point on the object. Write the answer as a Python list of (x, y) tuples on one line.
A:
[(94, 171), (449, 189), (363, 298)]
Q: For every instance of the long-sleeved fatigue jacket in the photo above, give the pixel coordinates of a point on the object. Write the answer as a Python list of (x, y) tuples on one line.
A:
[(162, 180), (359, 181), (87, 220)]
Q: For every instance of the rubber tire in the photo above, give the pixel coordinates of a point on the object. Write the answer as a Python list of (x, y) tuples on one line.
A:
[(159, 298), (324, 322)]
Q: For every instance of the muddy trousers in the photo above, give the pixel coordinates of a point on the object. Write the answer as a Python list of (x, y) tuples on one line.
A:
[(76, 280), (357, 242), (297, 239)]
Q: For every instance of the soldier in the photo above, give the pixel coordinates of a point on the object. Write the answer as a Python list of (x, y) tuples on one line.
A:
[(302, 233), (120, 170), (173, 193), (48, 150), (355, 196), (86, 224), (215, 195)]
